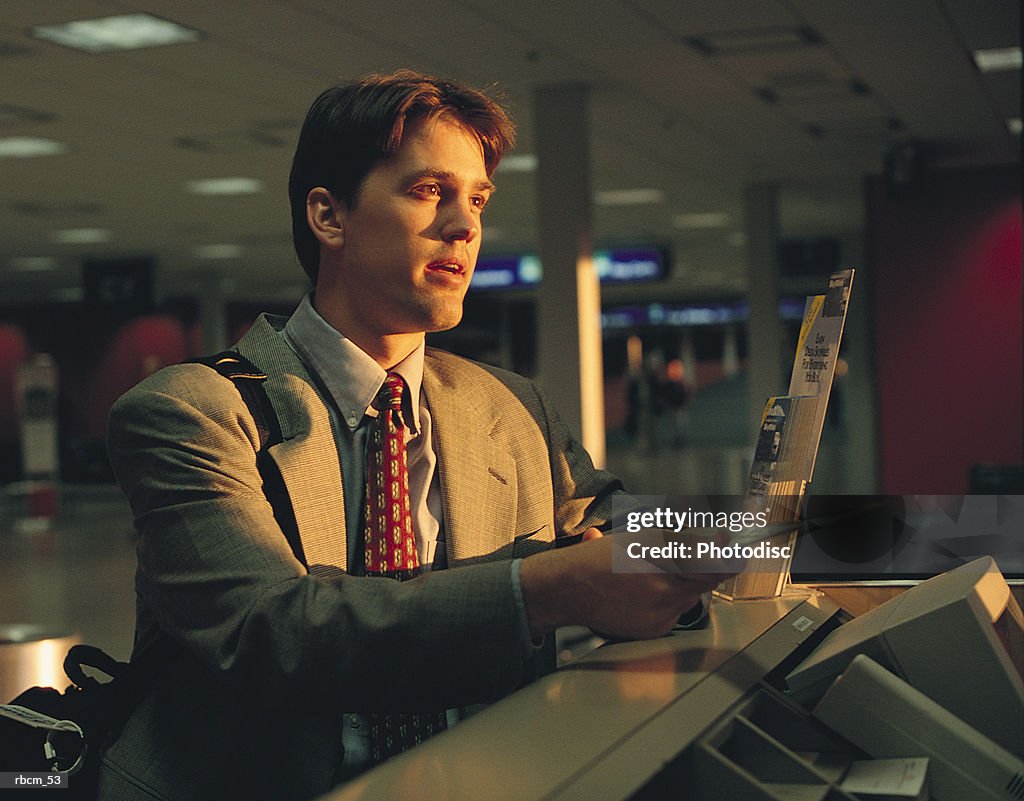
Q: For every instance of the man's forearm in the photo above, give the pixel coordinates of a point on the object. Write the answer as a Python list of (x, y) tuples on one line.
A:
[(578, 586)]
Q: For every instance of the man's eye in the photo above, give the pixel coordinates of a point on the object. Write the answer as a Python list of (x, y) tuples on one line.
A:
[(427, 190), (479, 201)]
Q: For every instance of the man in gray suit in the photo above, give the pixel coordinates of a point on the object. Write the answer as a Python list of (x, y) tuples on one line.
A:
[(282, 652)]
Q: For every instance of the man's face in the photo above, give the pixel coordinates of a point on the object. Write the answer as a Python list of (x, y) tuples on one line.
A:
[(411, 242)]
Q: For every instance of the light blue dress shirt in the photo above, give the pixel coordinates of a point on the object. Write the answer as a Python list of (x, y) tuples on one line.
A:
[(352, 380)]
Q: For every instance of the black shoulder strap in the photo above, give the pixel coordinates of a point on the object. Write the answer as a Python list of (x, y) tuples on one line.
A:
[(248, 380), (133, 680)]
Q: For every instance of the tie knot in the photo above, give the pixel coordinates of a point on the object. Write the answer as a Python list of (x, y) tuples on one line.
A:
[(390, 395)]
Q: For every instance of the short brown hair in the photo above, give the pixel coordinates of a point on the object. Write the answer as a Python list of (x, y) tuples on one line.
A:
[(349, 129)]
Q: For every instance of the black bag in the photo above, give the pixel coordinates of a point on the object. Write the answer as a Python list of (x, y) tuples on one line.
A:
[(44, 730)]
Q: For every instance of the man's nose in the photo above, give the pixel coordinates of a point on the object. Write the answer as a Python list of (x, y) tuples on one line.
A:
[(461, 222)]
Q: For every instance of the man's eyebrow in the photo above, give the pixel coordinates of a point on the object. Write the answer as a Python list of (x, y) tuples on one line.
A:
[(448, 177)]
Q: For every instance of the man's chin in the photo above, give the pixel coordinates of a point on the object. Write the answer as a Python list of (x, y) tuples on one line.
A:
[(442, 317), (443, 325)]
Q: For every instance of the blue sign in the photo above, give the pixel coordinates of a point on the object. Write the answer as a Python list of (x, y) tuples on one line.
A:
[(501, 272), (676, 315), (620, 266), (629, 266)]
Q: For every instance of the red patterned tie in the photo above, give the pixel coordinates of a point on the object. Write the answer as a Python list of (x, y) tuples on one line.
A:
[(390, 549), (390, 542)]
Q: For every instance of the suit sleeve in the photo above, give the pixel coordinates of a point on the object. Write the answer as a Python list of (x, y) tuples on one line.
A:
[(583, 495), (216, 574)]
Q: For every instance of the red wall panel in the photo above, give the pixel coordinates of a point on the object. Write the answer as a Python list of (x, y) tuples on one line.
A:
[(945, 267), (13, 351), (141, 347)]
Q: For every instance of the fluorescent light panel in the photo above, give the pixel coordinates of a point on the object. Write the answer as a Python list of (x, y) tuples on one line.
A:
[(81, 236), (120, 32), (222, 251), (709, 219), (25, 147), (518, 162), (628, 197), (225, 186), (998, 59), (33, 264)]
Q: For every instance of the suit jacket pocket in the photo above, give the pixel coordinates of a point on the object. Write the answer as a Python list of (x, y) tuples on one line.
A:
[(532, 542)]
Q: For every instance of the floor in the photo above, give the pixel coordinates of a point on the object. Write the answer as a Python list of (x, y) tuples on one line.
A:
[(75, 576)]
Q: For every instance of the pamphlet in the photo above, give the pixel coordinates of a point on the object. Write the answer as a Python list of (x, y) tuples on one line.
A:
[(787, 442), (888, 779)]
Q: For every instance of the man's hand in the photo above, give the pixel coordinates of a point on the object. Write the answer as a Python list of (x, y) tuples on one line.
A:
[(576, 585)]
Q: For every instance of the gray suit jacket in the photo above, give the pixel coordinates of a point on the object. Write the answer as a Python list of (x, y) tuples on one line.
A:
[(270, 654)]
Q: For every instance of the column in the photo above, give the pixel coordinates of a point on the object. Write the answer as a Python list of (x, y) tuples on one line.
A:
[(688, 355), (569, 302), (730, 352), (214, 317), (761, 212)]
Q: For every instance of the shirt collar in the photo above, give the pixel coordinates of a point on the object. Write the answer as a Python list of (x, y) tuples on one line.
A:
[(350, 375)]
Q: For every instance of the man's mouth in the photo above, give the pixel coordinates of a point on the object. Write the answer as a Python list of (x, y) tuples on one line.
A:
[(449, 266)]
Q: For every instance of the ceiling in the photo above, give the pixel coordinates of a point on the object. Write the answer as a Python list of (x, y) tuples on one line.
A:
[(676, 106)]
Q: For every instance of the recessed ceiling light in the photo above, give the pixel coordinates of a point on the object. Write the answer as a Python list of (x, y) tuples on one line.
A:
[(25, 147), (518, 162), (121, 32), (11, 114), (225, 251), (69, 294), (1013, 125), (225, 186), (32, 264), (628, 197), (998, 59), (81, 236), (709, 219), (753, 39)]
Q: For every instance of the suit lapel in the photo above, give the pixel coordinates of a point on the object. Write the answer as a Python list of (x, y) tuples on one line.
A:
[(307, 457), (477, 476)]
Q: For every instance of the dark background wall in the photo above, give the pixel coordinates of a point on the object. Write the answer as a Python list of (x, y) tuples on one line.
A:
[(99, 354)]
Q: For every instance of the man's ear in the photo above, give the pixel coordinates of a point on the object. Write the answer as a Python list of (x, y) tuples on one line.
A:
[(324, 215)]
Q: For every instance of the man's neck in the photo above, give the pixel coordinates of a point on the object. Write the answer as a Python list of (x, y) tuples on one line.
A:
[(387, 349)]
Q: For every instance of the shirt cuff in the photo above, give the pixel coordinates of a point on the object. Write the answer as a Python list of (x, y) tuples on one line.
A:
[(529, 644)]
